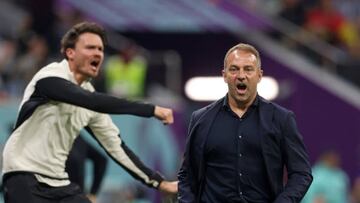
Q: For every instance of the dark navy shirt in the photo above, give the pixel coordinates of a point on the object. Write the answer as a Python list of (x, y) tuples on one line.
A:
[(235, 169)]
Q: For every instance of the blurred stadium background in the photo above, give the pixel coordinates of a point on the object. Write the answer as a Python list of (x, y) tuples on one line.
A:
[(311, 49)]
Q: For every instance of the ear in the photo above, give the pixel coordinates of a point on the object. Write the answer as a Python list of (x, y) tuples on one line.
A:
[(260, 74), (223, 74), (70, 53)]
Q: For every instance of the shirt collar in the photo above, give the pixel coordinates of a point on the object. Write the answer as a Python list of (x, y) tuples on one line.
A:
[(65, 64), (227, 106)]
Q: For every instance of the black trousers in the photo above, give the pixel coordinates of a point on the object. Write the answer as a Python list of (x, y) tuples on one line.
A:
[(23, 187)]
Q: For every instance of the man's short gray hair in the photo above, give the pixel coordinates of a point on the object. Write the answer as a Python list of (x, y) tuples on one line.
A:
[(246, 48)]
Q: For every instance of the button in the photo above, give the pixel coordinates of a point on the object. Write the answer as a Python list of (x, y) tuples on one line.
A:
[(240, 136), (240, 193), (240, 174), (240, 155)]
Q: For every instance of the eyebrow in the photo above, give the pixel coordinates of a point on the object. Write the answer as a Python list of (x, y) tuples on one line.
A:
[(245, 66), (93, 46), (249, 66)]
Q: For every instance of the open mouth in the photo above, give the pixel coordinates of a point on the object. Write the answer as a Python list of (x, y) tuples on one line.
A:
[(241, 87), (95, 64)]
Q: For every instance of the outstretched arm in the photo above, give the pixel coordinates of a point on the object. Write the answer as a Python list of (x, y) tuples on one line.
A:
[(59, 89), (125, 157)]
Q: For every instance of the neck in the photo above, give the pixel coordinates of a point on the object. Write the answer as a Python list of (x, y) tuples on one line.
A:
[(240, 107), (78, 76)]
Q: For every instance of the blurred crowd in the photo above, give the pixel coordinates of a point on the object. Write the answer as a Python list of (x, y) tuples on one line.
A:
[(30, 40), (327, 32), (33, 42), (27, 42), (336, 22)]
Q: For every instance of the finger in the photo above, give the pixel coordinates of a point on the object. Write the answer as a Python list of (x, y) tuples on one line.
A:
[(169, 120)]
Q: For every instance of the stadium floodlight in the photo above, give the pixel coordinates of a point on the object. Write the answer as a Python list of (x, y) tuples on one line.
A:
[(268, 88), (213, 88)]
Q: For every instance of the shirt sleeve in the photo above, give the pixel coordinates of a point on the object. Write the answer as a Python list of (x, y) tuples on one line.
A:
[(107, 134), (297, 163), (59, 89), (186, 177)]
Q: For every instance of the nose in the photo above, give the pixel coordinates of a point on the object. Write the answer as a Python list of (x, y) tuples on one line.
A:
[(98, 52), (241, 74)]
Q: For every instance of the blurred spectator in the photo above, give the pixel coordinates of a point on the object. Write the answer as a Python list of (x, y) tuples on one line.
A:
[(326, 22), (66, 16), (27, 64), (125, 73), (43, 18), (331, 183), (293, 11), (350, 31), (24, 34), (348, 35), (11, 18), (7, 61), (350, 68), (349, 8), (355, 192)]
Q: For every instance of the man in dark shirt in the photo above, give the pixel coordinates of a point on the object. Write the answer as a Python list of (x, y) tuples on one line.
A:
[(238, 146)]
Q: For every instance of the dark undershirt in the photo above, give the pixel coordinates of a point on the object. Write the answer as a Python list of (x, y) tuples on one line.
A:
[(62, 90)]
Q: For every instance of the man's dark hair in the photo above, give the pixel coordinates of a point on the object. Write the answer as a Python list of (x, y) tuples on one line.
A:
[(71, 37)]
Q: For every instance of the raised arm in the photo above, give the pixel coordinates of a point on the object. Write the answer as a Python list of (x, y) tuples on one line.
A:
[(62, 90), (59, 89)]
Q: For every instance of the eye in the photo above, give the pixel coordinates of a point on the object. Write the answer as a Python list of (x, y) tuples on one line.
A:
[(249, 69), (232, 69)]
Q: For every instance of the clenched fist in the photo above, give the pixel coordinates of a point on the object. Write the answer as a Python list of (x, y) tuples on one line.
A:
[(165, 115), (169, 187)]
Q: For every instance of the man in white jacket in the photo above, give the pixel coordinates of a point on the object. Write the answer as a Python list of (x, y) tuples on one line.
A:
[(58, 102)]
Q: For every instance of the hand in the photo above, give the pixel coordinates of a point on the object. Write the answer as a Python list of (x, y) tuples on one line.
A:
[(92, 198), (168, 187), (165, 115), (319, 199)]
